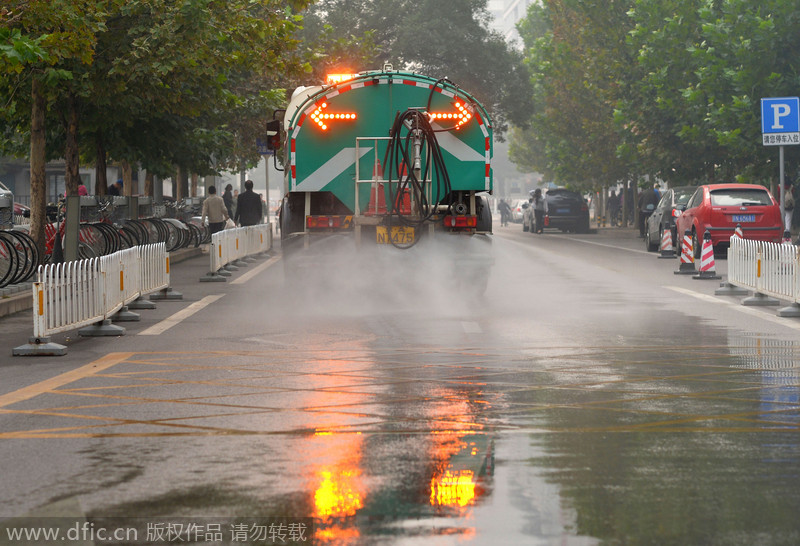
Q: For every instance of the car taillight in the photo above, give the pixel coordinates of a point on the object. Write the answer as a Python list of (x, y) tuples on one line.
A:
[(322, 222), (676, 213), (584, 208), (460, 221)]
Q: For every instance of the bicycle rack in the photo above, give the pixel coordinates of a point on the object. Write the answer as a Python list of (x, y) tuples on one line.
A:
[(6, 210)]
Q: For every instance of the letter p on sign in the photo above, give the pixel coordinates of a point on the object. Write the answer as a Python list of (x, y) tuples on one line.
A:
[(780, 115)]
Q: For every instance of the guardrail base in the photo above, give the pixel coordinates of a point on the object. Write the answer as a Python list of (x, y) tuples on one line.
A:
[(166, 294), (102, 328), (230, 267), (240, 263), (758, 299), (40, 346), (728, 289), (125, 315), (213, 277), (792, 310), (141, 303)]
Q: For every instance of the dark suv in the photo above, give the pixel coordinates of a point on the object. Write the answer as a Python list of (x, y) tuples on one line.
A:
[(568, 210)]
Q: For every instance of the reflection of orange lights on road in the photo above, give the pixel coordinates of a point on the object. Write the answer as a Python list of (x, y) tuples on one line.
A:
[(453, 488), (337, 495)]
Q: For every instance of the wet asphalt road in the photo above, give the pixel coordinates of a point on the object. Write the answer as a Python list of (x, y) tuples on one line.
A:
[(592, 396)]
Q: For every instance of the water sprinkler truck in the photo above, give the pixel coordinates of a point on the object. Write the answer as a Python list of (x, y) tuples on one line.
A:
[(387, 161)]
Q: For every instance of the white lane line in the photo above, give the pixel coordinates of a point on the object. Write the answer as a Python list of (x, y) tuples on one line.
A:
[(471, 327), (611, 246), (253, 272), (169, 322), (783, 321)]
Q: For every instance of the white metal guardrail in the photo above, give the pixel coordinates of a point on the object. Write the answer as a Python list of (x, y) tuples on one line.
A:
[(230, 245), (765, 268), (74, 294)]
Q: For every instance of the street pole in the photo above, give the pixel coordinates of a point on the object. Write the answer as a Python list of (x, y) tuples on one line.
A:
[(781, 190), (266, 176)]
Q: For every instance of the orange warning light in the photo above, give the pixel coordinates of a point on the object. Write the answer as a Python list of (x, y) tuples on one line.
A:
[(333, 79)]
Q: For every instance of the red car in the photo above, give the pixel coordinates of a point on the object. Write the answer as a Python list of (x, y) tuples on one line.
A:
[(718, 208)]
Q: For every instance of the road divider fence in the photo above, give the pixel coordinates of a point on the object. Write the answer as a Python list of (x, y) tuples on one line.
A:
[(88, 293), (230, 248), (769, 270)]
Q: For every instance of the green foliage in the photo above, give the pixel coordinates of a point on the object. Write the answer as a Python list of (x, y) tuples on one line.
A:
[(441, 39), (675, 85), (160, 82)]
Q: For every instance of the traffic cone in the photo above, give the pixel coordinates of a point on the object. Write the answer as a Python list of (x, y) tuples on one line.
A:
[(707, 260), (687, 256), (738, 231), (787, 238), (667, 250)]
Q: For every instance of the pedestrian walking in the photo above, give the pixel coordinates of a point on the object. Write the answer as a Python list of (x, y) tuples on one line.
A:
[(540, 210), (227, 197), (788, 205), (248, 207), (214, 209), (505, 212)]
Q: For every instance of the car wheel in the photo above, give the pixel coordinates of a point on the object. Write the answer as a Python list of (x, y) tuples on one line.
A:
[(648, 241)]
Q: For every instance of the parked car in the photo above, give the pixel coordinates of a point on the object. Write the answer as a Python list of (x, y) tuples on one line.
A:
[(21, 210), (718, 208), (670, 206), (517, 210), (568, 211)]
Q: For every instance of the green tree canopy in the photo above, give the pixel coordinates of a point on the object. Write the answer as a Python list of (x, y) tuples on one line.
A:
[(446, 39)]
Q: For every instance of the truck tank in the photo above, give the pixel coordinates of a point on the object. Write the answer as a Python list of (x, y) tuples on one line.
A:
[(383, 162)]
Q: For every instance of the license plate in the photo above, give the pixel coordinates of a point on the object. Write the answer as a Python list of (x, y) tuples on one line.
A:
[(562, 211), (744, 217), (400, 235)]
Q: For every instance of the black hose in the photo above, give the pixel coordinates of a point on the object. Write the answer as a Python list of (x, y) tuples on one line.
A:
[(399, 160)]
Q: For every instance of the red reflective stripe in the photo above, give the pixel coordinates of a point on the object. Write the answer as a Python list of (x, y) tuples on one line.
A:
[(292, 145), (300, 121), (488, 169), (488, 144)]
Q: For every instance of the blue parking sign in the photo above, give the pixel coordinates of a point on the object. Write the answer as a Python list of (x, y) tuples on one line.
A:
[(780, 115), (780, 121)]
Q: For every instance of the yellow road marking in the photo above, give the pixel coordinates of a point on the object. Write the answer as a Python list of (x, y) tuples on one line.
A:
[(53, 383)]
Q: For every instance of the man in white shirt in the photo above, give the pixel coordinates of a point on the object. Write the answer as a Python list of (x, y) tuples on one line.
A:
[(214, 209)]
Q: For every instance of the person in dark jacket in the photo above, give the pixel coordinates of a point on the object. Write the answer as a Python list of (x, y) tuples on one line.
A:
[(227, 197), (248, 207)]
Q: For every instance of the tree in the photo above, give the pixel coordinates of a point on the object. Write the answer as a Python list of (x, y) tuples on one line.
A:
[(58, 31), (576, 53), (448, 39)]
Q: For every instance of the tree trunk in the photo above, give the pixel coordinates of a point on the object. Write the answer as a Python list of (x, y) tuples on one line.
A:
[(101, 183), (195, 179), (127, 178), (176, 185), (38, 162), (148, 184), (71, 152), (183, 183)]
